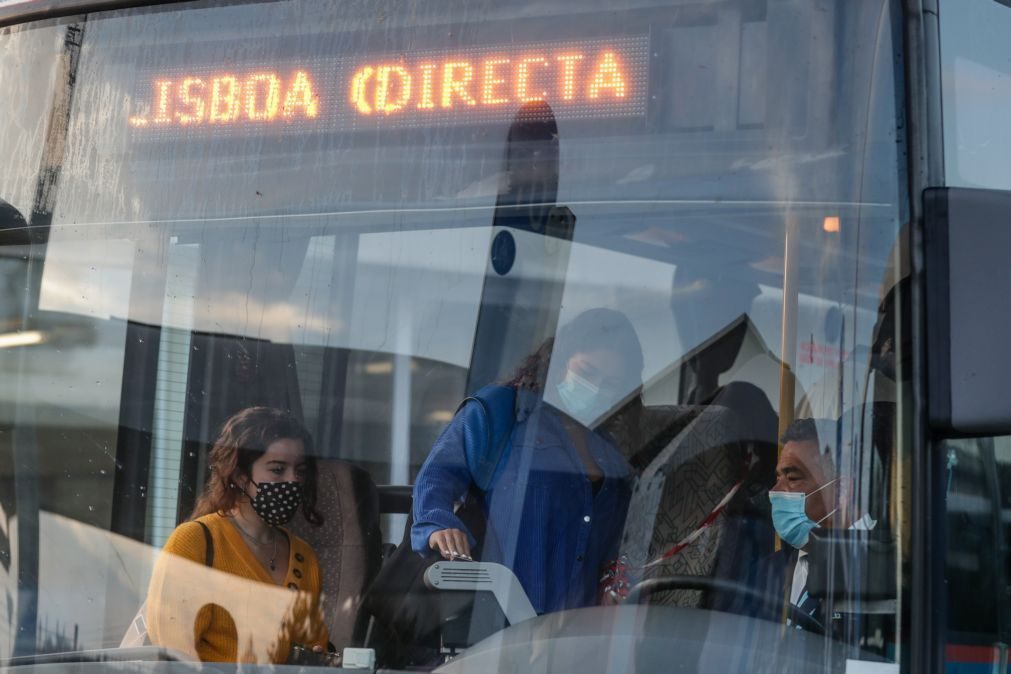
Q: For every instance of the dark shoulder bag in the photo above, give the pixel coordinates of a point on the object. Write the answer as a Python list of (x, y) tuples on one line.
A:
[(406, 614)]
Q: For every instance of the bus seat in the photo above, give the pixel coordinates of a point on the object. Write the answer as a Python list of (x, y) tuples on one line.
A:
[(746, 530), (678, 489), (348, 545)]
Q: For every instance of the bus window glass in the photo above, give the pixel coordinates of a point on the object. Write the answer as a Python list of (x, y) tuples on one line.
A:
[(977, 485), (976, 72), (30, 95), (328, 298)]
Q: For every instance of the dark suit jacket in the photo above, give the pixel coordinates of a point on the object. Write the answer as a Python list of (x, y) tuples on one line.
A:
[(771, 577)]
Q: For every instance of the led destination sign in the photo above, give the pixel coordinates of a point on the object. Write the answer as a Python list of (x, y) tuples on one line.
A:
[(585, 79)]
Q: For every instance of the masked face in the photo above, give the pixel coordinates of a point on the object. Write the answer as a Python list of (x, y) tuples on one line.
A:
[(590, 386), (581, 399), (277, 477), (789, 515), (277, 502), (803, 496)]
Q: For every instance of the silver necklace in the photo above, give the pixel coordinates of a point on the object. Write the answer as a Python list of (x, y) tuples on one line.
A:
[(273, 540)]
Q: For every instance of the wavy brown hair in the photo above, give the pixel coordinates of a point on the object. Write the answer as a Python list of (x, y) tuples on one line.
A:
[(244, 438), (533, 371)]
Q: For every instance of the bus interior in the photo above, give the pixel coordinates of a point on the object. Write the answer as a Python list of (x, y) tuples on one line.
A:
[(748, 218)]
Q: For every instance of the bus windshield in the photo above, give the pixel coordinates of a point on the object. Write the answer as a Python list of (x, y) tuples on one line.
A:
[(458, 336)]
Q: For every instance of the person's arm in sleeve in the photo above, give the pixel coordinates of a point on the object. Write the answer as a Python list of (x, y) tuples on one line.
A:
[(171, 610), (445, 478)]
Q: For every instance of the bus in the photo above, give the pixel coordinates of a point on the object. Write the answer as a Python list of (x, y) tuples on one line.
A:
[(364, 215)]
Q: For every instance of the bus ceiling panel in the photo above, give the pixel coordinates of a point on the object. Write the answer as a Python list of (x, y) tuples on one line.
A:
[(468, 177)]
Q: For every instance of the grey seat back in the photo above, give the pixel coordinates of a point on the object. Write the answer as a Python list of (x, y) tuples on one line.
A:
[(675, 493)]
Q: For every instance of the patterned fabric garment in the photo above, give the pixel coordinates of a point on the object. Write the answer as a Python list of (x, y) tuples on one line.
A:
[(277, 502), (544, 520)]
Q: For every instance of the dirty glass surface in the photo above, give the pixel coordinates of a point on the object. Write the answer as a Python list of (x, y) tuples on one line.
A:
[(662, 243), (976, 88)]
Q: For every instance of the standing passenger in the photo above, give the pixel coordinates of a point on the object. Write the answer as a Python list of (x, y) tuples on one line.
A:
[(556, 507)]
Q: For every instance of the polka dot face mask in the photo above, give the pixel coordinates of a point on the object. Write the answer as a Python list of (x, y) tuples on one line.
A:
[(277, 502)]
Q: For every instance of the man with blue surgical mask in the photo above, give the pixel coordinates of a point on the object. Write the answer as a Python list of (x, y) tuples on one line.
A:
[(815, 488), (808, 493)]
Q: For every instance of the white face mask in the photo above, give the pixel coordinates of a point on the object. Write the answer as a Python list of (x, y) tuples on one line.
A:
[(581, 400)]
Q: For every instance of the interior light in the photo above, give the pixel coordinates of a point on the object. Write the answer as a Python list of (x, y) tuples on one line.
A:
[(379, 367), (440, 416), (26, 338)]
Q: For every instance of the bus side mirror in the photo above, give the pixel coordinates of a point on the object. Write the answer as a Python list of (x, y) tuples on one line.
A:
[(967, 264)]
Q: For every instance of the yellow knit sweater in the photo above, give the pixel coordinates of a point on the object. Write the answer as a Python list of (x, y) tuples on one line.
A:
[(233, 612)]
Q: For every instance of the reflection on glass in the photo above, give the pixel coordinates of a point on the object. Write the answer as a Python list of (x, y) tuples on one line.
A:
[(977, 481), (647, 277), (977, 87)]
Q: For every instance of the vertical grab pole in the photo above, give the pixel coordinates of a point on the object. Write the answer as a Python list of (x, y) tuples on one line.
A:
[(788, 338)]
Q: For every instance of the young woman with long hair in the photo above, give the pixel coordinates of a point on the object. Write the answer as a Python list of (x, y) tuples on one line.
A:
[(261, 474)]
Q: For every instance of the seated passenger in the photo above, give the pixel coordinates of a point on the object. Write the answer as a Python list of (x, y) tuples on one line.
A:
[(261, 474), (809, 492), (556, 507)]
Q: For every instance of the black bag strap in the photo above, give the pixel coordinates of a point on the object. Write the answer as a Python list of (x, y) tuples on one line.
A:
[(208, 545)]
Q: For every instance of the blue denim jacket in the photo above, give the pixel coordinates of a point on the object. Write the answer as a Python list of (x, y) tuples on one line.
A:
[(544, 521)]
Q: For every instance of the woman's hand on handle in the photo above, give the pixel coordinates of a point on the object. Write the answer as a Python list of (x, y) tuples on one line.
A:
[(450, 543)]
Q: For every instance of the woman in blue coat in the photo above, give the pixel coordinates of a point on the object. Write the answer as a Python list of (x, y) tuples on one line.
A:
[(556, 505)]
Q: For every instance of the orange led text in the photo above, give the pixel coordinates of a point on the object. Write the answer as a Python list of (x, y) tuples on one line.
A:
[(263, 96), (599, 78), (493, 81)]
